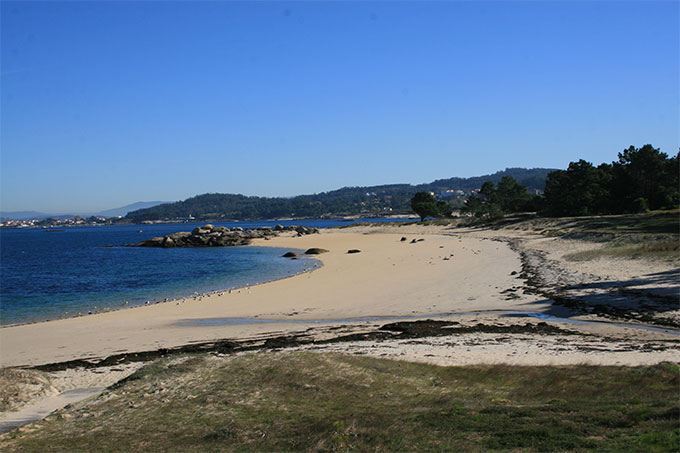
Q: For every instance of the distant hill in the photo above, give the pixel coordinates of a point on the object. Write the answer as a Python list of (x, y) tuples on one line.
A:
[(348, 201), (22, 215), (123, 211)]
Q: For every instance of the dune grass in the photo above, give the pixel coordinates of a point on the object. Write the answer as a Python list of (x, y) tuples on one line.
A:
[(310, 401), (668, 250), (18, 386)]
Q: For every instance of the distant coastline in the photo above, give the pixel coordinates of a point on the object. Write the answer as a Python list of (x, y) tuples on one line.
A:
[(73, 223)]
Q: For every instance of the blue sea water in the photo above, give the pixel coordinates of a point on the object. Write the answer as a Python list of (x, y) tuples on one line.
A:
[(49, 275)]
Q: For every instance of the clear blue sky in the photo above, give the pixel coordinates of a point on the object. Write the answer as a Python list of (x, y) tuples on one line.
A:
[(108, 103)]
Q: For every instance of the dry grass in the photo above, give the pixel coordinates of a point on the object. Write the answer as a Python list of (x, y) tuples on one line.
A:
[(20, 386), (310, 401), (667, 250)]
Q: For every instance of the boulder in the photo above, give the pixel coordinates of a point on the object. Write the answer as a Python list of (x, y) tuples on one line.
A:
[(354, 251), (403, 239), (315, 251), (290, 255)]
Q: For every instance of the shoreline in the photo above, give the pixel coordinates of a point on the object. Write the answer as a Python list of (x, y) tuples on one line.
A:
[(337, 289), (126, 306), (453, 297), (450, 271)]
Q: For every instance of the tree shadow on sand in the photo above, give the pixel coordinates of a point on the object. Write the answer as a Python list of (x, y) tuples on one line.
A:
[(648, 299)]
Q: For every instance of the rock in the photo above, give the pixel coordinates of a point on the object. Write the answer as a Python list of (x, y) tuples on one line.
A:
[(421, 240), (290, 255), (211, 236), (354, 251), (413, 241), (179, 236), (315, 251), (279, 228), (403, 239)]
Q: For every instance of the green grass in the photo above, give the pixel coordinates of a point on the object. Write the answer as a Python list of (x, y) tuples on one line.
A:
[(307, 401)]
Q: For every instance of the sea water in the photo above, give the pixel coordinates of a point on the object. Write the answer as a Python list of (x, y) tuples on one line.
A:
[(47, 274)]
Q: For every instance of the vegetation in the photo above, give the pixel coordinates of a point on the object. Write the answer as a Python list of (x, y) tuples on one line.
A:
[(649, 235), (310, 401), (495, 201), (642, 179), (668, 250), (424, 204), (374, 200)]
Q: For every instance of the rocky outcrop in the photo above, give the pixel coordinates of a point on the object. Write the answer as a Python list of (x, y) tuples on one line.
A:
[(212, 236), (315, 251)]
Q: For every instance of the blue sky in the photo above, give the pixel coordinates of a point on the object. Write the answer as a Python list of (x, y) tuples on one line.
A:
[(108, 103)]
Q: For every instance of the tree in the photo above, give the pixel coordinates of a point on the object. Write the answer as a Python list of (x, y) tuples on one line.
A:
[(581, 189), (642, 178), (424, 205), (497, 200), (444, 208), (645, 177), (511, 196)]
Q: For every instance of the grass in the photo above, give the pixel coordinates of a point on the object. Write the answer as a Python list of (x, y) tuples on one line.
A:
[(662, 250), (19, 386), (308, 401), (651, 235)]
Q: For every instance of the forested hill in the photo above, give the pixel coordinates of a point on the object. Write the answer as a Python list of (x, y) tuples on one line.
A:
[(352, 201)]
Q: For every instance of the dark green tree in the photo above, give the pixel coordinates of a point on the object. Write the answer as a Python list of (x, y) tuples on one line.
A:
[(444, 208), (581, 189), (424, 205), (511, 196), (645, 177), (642, 178), (497, 200)]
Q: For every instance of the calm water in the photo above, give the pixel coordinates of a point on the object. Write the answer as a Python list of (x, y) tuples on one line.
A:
[(60, 274)]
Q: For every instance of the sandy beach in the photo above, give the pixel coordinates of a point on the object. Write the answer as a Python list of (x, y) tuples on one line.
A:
[(434, 294), (389, 277), (444, 271)]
